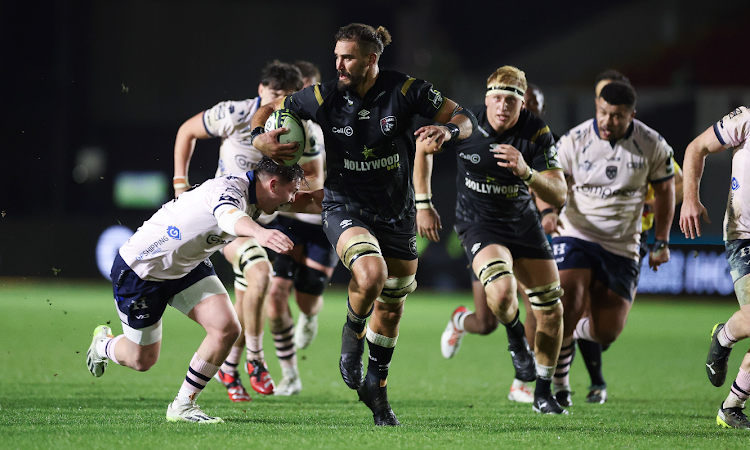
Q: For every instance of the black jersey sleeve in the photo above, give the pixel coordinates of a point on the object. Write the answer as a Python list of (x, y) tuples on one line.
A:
[(545, 152), (424, 99), (305, 103)]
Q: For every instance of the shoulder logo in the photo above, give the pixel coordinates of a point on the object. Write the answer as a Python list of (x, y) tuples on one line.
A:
[(435, 97), (475, 248), (611, 172), (174, 232), (735, 184), (345, 223), (388, 125), (364, 114)]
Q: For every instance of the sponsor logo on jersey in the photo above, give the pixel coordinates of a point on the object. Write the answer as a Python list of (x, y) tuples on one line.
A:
[(489, 188), (388, 125), (605, 192), (473, 158), (611, 172), (637, 165), (153, 248), (244, 163), (213, 239), (735, 184), (364, 114), (174, 233), (413, 245), (389, 163), (345, 223), (475, 248), (434, 96), (369, 152), (347, 130)]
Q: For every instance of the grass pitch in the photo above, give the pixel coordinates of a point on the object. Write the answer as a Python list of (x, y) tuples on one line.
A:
[(659, 393)]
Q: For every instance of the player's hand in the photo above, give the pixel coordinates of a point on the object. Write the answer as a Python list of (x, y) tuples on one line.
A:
[(690, 215), (275, 240), (428, 224), (432, 137), (552, 224), (268, 144), (508, 156), (657, 258)]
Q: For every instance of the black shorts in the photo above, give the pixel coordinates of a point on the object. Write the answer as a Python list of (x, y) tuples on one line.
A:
[(397, 239), (618, 273), (475, 236), (308, 235)]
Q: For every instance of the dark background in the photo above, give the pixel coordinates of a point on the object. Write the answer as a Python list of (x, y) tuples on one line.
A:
[(121, 77)]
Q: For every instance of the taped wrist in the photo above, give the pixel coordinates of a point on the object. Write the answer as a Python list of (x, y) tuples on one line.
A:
[(423, 201), (180, 182), (454, 130), (257, 131)]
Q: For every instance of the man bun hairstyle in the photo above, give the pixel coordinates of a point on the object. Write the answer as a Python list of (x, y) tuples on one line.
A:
[(266, 166), (619, 93), (281, 76), (369, 39)]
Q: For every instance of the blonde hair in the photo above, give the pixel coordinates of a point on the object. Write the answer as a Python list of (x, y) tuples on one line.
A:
[(508, 76)]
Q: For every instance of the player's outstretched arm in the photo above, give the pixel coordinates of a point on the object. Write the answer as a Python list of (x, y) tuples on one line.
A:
[(695, 159), (663, 215), (184, 145), (428, 219), (268, 143), (273, 239), (458, 123), (308, 202)]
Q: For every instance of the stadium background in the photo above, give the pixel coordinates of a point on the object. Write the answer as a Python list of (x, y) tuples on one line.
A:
[(93, 93)]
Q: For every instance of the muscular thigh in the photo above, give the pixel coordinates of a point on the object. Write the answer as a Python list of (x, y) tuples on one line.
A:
[(609, 312), (535, 272)]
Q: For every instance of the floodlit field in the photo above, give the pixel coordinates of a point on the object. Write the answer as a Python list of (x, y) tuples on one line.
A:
[(660, 396)]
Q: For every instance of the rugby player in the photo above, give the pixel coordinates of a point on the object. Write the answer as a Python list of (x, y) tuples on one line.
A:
[(499, 228), (307, 268), (230, 121), (731, 132), (166, 262), (367, 118), (599, 238)]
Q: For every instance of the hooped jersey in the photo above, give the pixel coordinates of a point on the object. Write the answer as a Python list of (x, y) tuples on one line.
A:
[(488, 192), (369, 142), (185, 231), (608, 181), (733, 131)]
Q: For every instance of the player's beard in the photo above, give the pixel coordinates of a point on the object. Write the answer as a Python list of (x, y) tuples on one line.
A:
[(351, 84)]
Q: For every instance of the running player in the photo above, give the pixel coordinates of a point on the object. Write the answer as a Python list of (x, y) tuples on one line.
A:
[(230, 121), (500, 230), (166, 262), (610, 161), (367, 118), (307, 268), (731, 132)]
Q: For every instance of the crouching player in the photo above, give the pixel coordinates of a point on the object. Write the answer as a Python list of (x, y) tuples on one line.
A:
[(166, 262), (733, 131)]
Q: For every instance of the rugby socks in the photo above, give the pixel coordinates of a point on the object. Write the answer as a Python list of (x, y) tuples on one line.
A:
[(199, 374), (726, 338), (740, 391), (232, 361), (460, 318), (106, 347), (592, 356), (564, 361), (583, 330), (381, 352), (285, 351), (355, 321), (254, 348), (515, 329), (543, 380)]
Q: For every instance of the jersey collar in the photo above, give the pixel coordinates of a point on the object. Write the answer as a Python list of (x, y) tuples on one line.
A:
[(252, 197), (612, 142)]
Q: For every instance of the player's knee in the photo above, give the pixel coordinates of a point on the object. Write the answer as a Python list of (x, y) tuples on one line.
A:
[(310, 281), (359, 246), (369, 279), (546, 298), (496, 275), (145, 360), (396, 289), (279, 295), (247, 256), (232, 331)]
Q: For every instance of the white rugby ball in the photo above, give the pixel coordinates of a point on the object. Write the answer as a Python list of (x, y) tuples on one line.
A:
[(285, 118)]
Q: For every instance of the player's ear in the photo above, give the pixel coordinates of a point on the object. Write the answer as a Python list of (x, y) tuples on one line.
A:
[(260, 89), (272, 184)]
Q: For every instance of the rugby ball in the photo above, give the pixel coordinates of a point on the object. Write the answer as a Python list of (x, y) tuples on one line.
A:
[(285, 118)]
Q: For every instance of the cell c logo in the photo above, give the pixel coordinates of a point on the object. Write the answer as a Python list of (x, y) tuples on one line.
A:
[(347, 130)]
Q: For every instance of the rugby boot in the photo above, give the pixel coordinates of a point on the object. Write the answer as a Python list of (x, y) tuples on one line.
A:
[(235, 390), (260, 379), (450, 341), (350, 364), (95, 362), (189, 413), (548, 405), (376, 398), (732, 418), (718, 358), (290, 383), (523, 359), (562, 395), (597, 394), (305, 331), (521, 392)]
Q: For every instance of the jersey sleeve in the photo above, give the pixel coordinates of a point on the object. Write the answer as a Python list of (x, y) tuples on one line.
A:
[(226, 196), (661, 166), (423, 98), (305, 103), (545, 156), (734, 128), (564, 152), (222, 118), (314, 143)]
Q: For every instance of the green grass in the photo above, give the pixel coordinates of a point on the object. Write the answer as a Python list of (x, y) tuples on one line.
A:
[(659, 394)]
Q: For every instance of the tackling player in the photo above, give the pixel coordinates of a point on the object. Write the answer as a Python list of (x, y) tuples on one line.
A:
[(731, 132), (500, 230), (610, 161), (367, 118), (166, 262)]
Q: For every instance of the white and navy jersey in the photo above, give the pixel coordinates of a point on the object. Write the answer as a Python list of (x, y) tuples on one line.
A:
[(733, 131), (608, 181), (488, 192), (230, 121), (185, 231), (369, 142)]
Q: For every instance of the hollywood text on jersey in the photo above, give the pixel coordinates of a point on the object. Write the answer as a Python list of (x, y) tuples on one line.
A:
[(389, 163), (486, 188)]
